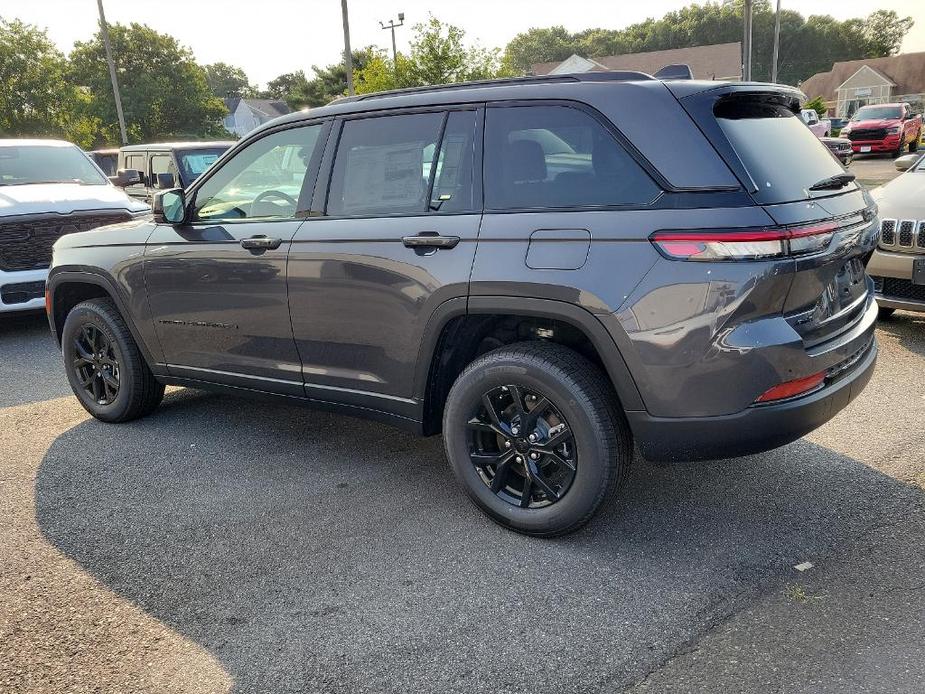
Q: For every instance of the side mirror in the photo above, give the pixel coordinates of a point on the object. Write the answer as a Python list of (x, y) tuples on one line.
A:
[(906, 162), (164, 181), (126, 177), (170, 207)]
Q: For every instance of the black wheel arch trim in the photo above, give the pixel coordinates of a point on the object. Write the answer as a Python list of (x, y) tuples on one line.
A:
[(580, 318), (82, 274)]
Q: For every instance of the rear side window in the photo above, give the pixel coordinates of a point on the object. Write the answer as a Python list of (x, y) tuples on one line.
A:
[(557, 157), (383, 165), (782, 155)]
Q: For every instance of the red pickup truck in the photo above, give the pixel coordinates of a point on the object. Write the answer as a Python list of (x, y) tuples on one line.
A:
[(884, 128)]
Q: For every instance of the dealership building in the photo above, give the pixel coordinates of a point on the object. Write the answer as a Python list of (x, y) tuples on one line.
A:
[(855, 83)]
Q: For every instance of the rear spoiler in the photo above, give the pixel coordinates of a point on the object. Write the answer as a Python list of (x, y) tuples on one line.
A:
[(679, 71)]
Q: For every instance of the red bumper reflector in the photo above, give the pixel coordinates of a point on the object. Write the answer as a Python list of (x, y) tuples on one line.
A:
[(47, 302), (789, 389)]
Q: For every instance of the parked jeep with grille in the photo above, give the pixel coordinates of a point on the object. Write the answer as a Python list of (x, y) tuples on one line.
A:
[(898, 264), (518, 264), (48, 188)]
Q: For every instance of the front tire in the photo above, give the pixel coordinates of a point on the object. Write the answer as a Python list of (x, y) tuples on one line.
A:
[(534, 434), (104, 366)]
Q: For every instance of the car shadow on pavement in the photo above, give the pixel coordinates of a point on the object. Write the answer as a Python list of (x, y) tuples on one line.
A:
[(313, 552), (28, 354)]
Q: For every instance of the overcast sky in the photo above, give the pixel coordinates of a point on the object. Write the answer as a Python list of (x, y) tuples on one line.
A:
[(270, 37)]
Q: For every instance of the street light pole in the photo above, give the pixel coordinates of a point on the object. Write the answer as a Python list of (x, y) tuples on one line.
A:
[(391, 25), (104, 30), (776, 44), (348, 55)]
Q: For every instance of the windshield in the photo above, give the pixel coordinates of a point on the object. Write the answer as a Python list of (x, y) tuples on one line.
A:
[(29, 164), (877, 113), (193, 162), (783, 156)]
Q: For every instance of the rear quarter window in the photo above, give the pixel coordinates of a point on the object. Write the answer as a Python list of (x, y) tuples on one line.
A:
[(782, 156)]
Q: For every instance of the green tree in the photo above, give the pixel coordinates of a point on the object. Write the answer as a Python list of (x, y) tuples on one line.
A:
[(36, 98), (808, 44), (226, 80), (164, 91), (328, 83), (438, 55), (817, 105), (884, 32), (284, 85), (540, 46)]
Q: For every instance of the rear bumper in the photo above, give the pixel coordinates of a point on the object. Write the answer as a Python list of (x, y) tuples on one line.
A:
[(753, 430), (22, 290), (763, 427)]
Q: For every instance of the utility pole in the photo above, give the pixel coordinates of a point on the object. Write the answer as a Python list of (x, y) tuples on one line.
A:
[(776, 43), (348, 55), (104, 30), (747, 41), (391, 25)]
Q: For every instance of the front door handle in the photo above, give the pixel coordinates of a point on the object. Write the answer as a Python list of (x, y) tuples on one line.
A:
[(430, 239), (261, 243)]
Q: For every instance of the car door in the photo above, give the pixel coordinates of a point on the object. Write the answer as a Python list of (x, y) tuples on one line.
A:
[(138, 161), (217, 285), (394, 238)]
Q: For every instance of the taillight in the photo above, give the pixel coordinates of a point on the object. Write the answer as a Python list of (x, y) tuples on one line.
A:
[(749, 244), (790, 389)]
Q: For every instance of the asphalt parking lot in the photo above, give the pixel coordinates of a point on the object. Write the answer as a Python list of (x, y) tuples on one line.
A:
[(873, 169), (229, 545)]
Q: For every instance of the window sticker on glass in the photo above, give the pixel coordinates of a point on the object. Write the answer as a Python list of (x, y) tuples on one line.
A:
[(387, 175)]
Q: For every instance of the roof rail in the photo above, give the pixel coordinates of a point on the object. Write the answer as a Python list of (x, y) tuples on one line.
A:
[(608, 76)]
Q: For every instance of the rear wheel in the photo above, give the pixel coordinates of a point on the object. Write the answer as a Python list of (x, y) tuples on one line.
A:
[(104, 366), (884, 313), (534, 434)]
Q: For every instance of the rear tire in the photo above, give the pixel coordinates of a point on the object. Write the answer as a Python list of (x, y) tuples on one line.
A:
[(104, 366), (885, 313), (565, 401)]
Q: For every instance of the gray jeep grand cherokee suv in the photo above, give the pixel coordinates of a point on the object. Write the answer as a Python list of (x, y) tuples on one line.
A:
[(545, 269)]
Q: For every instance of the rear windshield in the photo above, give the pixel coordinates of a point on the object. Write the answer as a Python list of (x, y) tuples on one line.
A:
[(780, 153), (194, 162), (877, 113), (22, 165)]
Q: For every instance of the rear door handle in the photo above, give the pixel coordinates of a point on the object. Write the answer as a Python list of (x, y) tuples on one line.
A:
[(261, 243), (430, 239)]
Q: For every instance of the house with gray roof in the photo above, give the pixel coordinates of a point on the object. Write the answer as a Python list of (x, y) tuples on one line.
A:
[(246, 114), (851, 84), (720, 61)]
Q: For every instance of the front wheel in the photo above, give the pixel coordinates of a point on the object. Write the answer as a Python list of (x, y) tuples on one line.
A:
[(534, 434), (104, 366)]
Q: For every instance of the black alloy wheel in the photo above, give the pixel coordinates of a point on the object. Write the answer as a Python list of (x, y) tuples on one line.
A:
[(104, 364), (535, 435), (522, 447), (96, 364)]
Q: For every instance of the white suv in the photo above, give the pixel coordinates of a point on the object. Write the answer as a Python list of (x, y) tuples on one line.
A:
[(48, 188)]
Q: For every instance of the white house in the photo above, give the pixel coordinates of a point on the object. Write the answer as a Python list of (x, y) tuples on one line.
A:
[(246, 114)]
